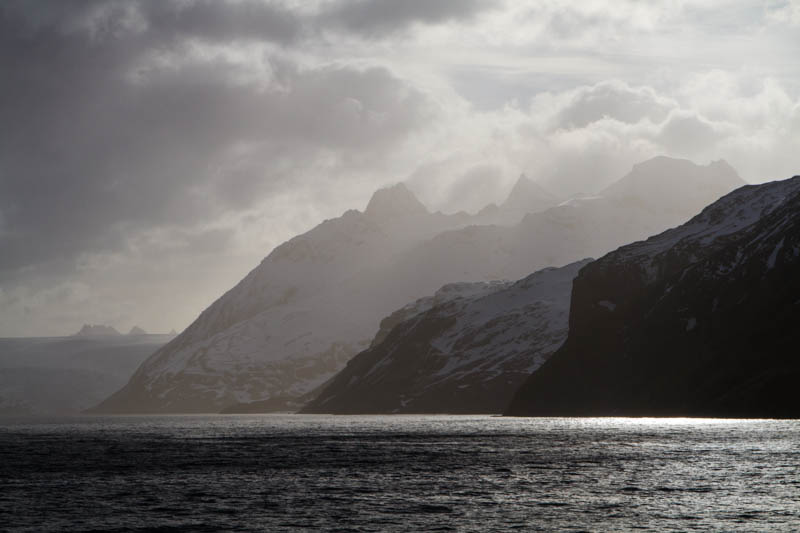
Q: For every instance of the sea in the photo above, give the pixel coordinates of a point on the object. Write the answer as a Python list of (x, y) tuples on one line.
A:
[(397, 473)]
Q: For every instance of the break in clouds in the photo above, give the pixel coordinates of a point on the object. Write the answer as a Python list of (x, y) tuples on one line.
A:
[(153, 152)]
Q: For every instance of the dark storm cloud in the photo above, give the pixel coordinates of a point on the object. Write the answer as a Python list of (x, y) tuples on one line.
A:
[(225, 21), (381, 17), (114, 123), (156, 20)]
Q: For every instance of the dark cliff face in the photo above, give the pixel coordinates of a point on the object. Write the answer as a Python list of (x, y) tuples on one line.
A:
[(702, 320), (464, 350)]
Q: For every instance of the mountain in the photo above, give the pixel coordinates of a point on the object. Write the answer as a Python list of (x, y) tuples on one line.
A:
[(65, 375), (394, 202), (96, 330), (632, 209), (316, 300), (465, 349), (700, 320), (525, 197), (674, 184), (296, 319), (136, 330)]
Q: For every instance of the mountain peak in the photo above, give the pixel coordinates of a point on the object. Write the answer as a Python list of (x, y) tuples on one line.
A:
[(96, 330), (136, 330), (529, 196), (663, 178), (394, 201), (722, 166)]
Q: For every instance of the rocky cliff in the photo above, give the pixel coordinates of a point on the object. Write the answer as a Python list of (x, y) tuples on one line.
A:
[(701, 320)]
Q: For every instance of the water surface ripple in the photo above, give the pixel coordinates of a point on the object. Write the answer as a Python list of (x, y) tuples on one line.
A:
[(400, 473)]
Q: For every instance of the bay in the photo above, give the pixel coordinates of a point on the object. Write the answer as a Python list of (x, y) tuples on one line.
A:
[(397, 473)]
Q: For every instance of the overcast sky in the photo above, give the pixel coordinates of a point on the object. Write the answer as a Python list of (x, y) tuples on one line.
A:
[(152, 153)]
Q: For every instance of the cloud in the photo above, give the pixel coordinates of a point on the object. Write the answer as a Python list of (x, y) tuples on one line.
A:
[(136, 142), (26, 311), (471, 189), (711, 116), (140, 137), (143, 23), (784, 12), (581, 139), (687, 133), (126, 118), (611, 99), (380, 18)]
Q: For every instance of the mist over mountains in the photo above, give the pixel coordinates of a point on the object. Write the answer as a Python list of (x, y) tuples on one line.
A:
[(399, 310), (318, 299), (294, 321), (697, 321)]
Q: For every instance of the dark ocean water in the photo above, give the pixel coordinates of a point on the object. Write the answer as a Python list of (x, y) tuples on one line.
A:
[(401, 473)]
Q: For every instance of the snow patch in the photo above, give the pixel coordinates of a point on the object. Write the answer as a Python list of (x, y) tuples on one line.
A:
[(774, 255), (607, 304)]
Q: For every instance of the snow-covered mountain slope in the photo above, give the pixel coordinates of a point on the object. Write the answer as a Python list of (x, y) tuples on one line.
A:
[(317, 299), (65, 375), (701, 320), (464, 350), (295, 320)]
